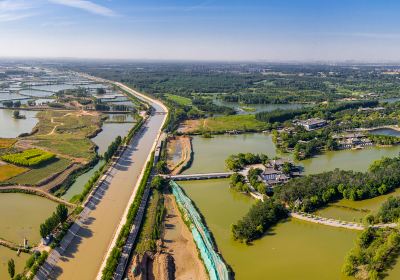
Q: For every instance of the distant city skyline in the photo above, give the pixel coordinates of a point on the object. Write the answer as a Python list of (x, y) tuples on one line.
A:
[(235, 30)]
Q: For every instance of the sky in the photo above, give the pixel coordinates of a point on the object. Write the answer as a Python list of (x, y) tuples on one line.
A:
[(223, 30)]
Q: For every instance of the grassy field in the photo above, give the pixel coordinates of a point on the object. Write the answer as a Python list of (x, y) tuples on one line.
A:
[(184, 101), (67, 133), (225, 123), (6, 143), (8, 171), (151, 226), (37, 174)]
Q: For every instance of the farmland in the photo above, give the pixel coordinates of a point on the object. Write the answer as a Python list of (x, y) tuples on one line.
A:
[(38, 174), (31, 157), (8, 171), (6, 143)]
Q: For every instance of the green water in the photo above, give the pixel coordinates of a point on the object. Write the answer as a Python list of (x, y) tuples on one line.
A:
[(79, 184), (7, 254), (345, 209), (109, 132), (291, 250), (21, 216), (210, 153), (357, 160)]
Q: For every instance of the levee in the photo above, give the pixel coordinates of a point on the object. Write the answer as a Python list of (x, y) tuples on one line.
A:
[(214, 264)]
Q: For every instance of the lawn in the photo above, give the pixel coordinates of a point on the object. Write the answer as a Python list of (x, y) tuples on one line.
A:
[(38, 174), (226, 123), (184, 101), (6, 143), (8, 171)]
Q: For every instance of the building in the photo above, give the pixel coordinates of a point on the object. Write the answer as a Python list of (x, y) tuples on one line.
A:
[(312, 124)]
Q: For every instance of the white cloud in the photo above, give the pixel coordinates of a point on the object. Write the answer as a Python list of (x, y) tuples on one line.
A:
[(11, 10), (88, 6)]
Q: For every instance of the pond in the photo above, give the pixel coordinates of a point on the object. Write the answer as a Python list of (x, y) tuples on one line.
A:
[(306, 248), (36, 93), (109, 133), (385, 131), (357, 160), (11, 127), (7, 254), (21, 216), (349, 210), (79, 184), (54, 88), (210, 153)]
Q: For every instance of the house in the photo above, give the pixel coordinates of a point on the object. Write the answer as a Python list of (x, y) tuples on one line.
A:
[(312, 124)]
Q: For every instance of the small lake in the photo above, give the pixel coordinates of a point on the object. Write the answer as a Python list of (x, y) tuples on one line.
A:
[(36, 93), (7, 254), (210, 153), (54, 88), (21, 216), (11, 127), (11, 96), (121, 118), (109, 133), (385, 131)]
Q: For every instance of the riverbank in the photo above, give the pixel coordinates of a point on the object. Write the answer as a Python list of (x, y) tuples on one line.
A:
[(180, 154)]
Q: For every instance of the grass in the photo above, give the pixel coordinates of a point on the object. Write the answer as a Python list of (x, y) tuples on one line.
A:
[(8, 171), (6, 143), (225, 123), (151, 226), (184, 101), (67, 133), (38, 174)]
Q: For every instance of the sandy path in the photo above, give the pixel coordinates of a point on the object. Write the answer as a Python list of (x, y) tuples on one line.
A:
[(178, 241)]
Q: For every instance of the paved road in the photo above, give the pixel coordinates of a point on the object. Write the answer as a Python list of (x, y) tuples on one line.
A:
[(81, 253)]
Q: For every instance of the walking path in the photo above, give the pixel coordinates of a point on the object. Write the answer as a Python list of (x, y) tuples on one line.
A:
[(36, 191), (336, 223)]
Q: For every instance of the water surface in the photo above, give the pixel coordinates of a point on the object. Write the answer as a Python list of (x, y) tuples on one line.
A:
[(11, 127), (109, 133), (21, 216), (292, 250), (7, 254)]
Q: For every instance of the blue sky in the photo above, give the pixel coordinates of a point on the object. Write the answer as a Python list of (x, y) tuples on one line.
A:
[(272, 30)]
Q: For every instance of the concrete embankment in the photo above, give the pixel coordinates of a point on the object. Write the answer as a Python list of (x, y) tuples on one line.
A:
[(213, 262)]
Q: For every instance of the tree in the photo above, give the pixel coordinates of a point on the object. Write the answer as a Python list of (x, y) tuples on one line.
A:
[(16, 114), (62, 212), (17, 104), (11, 268)]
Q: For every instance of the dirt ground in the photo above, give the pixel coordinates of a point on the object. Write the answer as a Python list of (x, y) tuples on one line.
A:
[(178, 241), (182, 143)]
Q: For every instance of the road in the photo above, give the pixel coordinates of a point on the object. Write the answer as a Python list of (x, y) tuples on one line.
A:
[(84, 249)]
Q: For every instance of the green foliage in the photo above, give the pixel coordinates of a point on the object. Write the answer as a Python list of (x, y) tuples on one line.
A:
[(237, 162), (389, 212), (237, 182), (314, 191), (260, 218), (375, 251), (31, 157), (11, 268), (112, 149), (59, 216)]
